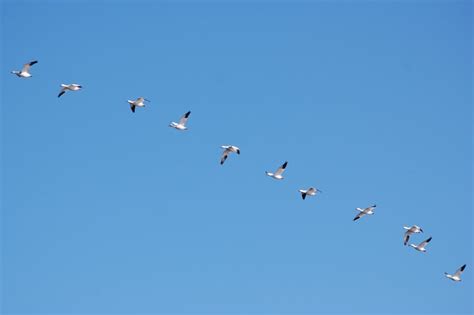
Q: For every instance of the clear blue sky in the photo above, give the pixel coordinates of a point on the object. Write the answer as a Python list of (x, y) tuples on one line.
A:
[(106, 211)]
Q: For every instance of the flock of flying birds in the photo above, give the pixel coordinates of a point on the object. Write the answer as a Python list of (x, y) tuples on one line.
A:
[(278, 174)]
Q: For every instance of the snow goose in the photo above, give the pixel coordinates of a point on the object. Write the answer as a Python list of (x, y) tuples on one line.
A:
[(279, 172), (457, 275), (139, 102), (362, 212), (309, 192), (25, 71), (228, 149), (181, 125), (421, 247), (69, 87), (409, 231)]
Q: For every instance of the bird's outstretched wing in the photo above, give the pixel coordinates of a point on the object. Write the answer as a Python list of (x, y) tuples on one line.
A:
[(184, 118), (406, 237), (224, 156), (281, 169), (26, 66), (425, 242), (358, 216), (460, 270)]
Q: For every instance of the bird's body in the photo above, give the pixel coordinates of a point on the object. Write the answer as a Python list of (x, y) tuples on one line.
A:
[(422, 246), (69, 87), (278, 174), (228, 149), (181, 125), (363, 212), (457, 275), (139, 102), (309, 192), (25, 71), (409, 231)]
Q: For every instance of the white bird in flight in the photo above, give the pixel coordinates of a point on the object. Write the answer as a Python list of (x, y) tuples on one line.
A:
[(228, 149), (69, 87), (362, 212), (309, 192), (181, 125), (457, 275), (25, 71), (410, 230), (279, 171), (421, 247), (139, 102)]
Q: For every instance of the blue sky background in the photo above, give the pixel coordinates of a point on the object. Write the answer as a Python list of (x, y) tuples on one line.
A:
[(105, 211)]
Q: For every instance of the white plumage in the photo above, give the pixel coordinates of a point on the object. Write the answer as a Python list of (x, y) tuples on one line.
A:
[(409, 231), (139, 102), (422, 246), (181, 125), (228, 149), (25, 71), (279, 171), (363, 212), (69, 87), (309, 192), (457, 275)]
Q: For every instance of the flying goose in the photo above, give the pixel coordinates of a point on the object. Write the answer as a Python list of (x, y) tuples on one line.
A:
[(410, 230), (228, 149), (181, 125), (457, 275), (69, 87), (279, 172), (25, 71), (310, 192), (421, 247), (139, 102), (362, 212)]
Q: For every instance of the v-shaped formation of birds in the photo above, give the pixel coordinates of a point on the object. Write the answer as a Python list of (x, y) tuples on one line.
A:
[(278, 174)]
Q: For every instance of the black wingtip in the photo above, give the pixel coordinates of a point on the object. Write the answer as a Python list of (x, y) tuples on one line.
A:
[(33, 62), (356, 218), (187, 114), (59, 95), (303, 195), (428, 240), (463, 267), (238, 151), (132, 108), (284, 164)]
